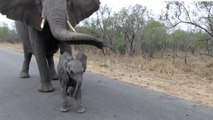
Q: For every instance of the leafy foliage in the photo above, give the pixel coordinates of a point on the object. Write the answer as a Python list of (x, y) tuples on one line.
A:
[(8, 35), (154, 35)]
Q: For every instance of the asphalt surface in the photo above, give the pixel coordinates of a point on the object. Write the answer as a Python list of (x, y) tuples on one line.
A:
[(103, 98)]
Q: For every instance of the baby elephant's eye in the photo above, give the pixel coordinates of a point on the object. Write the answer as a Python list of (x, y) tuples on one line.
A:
[(71, 72)]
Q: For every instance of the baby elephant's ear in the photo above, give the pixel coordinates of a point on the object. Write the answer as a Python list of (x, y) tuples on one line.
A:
[(83, 58)]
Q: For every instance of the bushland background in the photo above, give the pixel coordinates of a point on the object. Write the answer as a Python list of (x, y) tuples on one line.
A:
[(170, 53)]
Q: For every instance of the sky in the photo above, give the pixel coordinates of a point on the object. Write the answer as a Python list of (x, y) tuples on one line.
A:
[(154, 5), (116, 5)]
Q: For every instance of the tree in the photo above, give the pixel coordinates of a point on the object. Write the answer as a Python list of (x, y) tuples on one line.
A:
[(121, 31), (199, 15), (7, 34), (154, 35), (104, 26), (132, 21)]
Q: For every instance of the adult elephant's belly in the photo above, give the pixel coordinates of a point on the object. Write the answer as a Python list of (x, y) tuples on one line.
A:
[(51, 46)]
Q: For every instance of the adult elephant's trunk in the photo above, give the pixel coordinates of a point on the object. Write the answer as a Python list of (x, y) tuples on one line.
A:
[(56, 16)]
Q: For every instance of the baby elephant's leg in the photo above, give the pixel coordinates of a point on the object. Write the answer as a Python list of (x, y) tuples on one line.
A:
[(65, 106), (80, 107)]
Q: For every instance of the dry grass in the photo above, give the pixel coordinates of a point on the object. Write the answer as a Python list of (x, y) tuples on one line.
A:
[(16, 47), (193, 81)]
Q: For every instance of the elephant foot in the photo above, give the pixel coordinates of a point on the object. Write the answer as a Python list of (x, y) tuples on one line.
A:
[(80, 109), (24, 75), (65, 106), (45, 87), (64, 109)]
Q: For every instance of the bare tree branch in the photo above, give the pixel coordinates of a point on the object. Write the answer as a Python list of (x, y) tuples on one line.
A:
[(178, 9)]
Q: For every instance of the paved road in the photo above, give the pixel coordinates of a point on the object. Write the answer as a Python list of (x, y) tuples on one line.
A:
[(104, 99)]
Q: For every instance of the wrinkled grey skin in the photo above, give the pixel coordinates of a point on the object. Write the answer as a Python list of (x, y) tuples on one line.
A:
[(42, 42), (70, 71), (43, 48)]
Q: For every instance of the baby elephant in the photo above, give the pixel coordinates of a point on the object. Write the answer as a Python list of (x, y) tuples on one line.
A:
[(70, 73)]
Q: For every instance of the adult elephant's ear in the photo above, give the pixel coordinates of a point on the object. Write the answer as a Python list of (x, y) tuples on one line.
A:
[(80, 9), (25, 11)]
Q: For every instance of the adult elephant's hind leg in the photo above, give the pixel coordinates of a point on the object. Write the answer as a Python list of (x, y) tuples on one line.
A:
[(22, 31), (53, 74), (25, 67)]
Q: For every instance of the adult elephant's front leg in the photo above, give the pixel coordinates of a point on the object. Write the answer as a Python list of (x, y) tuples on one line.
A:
[(45, 84), (38, 46)]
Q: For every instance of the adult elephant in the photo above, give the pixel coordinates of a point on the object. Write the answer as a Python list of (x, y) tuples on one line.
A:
[(59, 15)]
